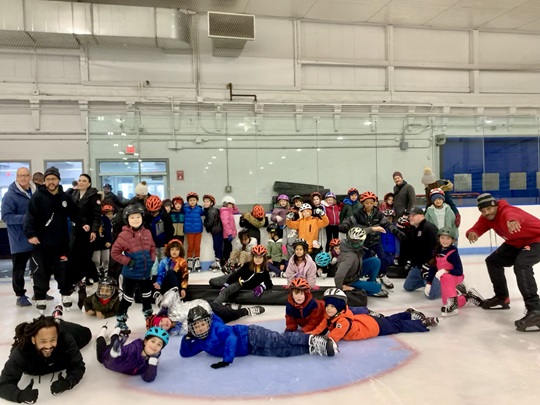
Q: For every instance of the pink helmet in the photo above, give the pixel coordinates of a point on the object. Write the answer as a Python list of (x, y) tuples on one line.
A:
[(283, 197)]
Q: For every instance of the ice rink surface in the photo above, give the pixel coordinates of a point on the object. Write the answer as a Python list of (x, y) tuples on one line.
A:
[(476, 357)]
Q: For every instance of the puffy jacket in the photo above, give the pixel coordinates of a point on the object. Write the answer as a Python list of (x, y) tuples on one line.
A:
[(93, 303), (14, 207), (275, 251), (192, 219), (227, 220), (131, 362), (253, 225), (179, 266), (306, 269), (307, 315), (161, 227), (347, 209), (347, 326), (364, 220), (449, 217), (308, 228), (137, 245), (280, 212), (332, 212), (250, 279), (89, 209), (212, 221)]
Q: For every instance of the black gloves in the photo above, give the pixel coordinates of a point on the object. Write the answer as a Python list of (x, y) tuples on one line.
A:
[(29, 395), (424, 271), (132, 264), (60, 385), (221, 364), (400, 234)]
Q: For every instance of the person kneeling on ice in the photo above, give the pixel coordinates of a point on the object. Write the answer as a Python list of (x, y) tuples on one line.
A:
[(104, 303), (45, 345), (340, 323), (207, 333), (139, 357)]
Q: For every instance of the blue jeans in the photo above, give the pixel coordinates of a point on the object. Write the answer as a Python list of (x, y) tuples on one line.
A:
[(266, 342), (399, 323), (370, 268), (414, 281), (377, 248)]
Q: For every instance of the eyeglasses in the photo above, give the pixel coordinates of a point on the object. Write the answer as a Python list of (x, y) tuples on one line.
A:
[(23, 175)]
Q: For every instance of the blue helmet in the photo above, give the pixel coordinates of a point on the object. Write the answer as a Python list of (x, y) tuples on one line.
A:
[(158, 332), (323, 259)]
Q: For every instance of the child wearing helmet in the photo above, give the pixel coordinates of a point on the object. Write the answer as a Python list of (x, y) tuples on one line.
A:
[(335, 250), (323, 260), (277, 260), (159, 222), (177, 217), (253, 221), (193, 227), (102, 244), (207, 333), (333, 211), (104, 303), (340, 323), (212, 224), (139, 357), (172, 271), (226, 213), (136, 252), (388, 203), (439, 213), (302, 265), (349, 204), (454, 292), (308, 226), (354, 273), (252, 276), (280, 210)]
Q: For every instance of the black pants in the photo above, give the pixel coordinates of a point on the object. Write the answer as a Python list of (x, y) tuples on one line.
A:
[(19, 261), (226, 313), (227, 249), (129, 285), (102, 346), (50, 260), (332, 231), (82, 264), (81, 334), (523, 261)]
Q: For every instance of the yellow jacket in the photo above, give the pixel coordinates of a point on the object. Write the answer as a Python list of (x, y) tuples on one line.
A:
[(308, 228)]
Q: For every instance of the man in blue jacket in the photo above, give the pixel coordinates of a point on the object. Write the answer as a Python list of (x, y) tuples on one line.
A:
[(14, 207)]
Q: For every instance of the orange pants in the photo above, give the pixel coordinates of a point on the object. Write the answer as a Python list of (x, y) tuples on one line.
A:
[(193, 244)]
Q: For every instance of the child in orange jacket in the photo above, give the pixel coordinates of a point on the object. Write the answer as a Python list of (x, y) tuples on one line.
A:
[(340, 323), (308, 226)]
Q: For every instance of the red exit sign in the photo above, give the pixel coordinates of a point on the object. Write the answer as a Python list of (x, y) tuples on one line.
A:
[(130, 149)]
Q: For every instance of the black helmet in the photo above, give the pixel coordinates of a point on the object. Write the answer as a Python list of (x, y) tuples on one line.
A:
[(196, 314), (133, 209), (106, 288), (272, 227)]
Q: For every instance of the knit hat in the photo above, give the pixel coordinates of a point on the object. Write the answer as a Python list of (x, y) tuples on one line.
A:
[(52, 171), (338, 303), (428, 177), (397, 174), (485, 200), (141, 188), (434, 196)]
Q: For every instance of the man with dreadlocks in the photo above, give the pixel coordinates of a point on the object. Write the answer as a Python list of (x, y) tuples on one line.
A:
[(45, 345)]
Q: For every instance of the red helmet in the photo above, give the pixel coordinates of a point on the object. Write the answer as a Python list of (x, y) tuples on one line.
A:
[(258, 211), (210, 197), (366, 195), (353, 190), (107, 208), (258, 250), (316, 194), (153, 203), (299, 284), (176, 199), (335, 242), (192, 194)]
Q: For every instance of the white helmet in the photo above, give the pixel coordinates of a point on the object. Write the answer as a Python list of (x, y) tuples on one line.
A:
[(305, 206), (336, 293), (356, 237), (228, 199)]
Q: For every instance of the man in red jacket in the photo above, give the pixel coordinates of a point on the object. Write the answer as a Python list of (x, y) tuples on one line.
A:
[(521, 233)]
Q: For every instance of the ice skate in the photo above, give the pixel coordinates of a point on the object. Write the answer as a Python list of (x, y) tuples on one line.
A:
[(430, 321), (103, 332), (81, 294), (451, 307), (197, 265), (322, 346), (148, 313), (66, 302), (41, 306), (461, 289), (256, 310), (215, 267), (116, 349), (58, 312), (496, 302), (415, 314), (121, 323), (530, 320), (375, 314), (474, 297), (158, 298), (190, 264), (381, 294), (385, 281)]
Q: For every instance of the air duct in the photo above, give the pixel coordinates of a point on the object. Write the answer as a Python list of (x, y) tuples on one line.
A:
[(230, 32)]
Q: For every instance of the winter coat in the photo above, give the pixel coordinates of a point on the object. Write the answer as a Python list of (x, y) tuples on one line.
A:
[(346, 273), (530, 225), (14, 208), (249, 279), (253, 225), (66, 356), (306, 269), (89, 209), (449, 217), (307, 315), (423, 240), (192, 218), (104, 234), (404, 198), (275, 251), (333, 213), (388, 242), (223, 341), (227, 220), (112, 199), (131, 361), (447, 186), (161, 227), (364, 220), (178, 266), (177, 218), (212, 221), (308, 228), (347, 209), (347, 326), (137, 245), (280, 212), (93, 303), (47, 217)]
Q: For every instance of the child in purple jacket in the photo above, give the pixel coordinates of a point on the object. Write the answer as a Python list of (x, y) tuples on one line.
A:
[(139, 357)]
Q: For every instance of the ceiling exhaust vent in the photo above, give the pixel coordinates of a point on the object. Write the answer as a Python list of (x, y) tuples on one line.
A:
[(230, 32)]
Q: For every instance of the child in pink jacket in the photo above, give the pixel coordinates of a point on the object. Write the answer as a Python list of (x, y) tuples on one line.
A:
[(302, 265), (226, 213)]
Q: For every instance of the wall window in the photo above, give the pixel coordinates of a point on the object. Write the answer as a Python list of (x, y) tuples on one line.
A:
[(8, 174), (70, 170)]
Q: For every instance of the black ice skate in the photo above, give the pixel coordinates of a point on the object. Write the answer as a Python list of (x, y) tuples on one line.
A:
[(530, 320), (496, 303)]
